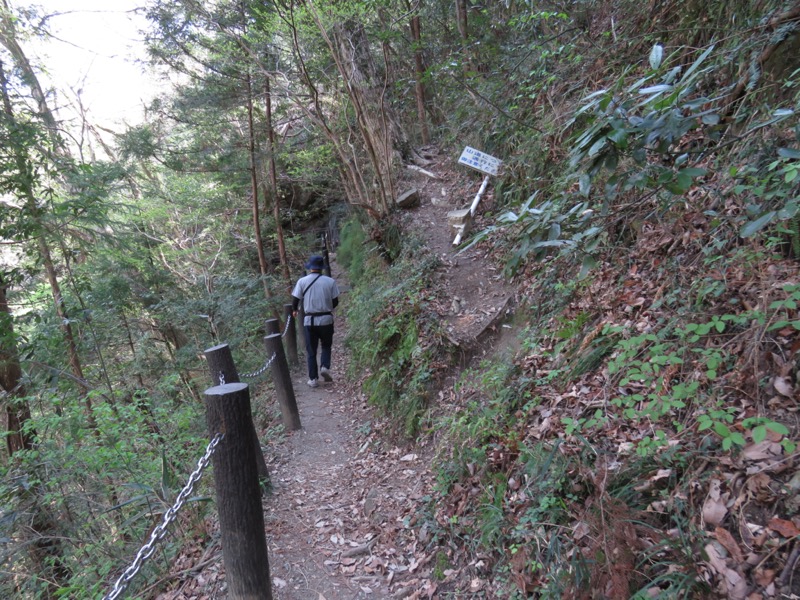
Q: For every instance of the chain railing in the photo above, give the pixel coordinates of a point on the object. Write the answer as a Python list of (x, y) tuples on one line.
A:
[(286, 328), (146, 551), (254, 374), (267, 365), (161, 530)]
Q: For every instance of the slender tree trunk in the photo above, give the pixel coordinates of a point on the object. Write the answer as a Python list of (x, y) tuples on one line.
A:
[(352, 178), (27, 194), (419, 66), (93, 333), (66, 327), (131, 345), (18, 413), (273, 182), (8, 38), (251, 148), (463, 31), (349, 49), (349, 53)]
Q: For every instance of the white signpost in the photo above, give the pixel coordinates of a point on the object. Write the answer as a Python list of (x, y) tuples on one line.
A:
[(485, 163), (480, 161)]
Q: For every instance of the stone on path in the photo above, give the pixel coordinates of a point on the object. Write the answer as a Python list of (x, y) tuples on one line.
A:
[(409, 199)]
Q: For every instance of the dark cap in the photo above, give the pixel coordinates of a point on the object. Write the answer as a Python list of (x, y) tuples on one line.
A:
[(315, 263)]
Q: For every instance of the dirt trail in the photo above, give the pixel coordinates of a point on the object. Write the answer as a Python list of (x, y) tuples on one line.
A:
[(478, 293), (315, 513), (341, 520)]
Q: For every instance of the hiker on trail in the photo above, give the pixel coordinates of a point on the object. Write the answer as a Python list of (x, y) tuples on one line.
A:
[(319, 295)]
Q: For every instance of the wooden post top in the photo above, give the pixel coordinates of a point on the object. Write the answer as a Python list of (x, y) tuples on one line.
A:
[(215, 348), (224, 390)]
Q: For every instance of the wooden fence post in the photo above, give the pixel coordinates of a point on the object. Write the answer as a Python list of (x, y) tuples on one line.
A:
[(291, 336), (272, 326), (220, 362), (241, 517), (283, 383)]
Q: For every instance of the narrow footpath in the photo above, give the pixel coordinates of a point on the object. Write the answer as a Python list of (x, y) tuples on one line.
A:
[(339, 519), (313, 516), (343, 521)]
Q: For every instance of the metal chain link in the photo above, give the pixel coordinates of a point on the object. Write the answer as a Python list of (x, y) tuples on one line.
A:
[(161, 530), (260, 372), (266, 366), (286, 329)]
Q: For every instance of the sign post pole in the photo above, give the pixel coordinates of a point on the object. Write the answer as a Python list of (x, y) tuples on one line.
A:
[(485, 163)]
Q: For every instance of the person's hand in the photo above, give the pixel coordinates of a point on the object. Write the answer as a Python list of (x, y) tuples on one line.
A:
[(294, 314)]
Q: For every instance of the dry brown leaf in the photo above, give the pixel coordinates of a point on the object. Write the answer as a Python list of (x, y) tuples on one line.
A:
[(764, 577), (786, 528), (728, 542), (430, 589), (581, 531), (783, 385), (714, 509), (733, 583), (763, 450), (661, 474)]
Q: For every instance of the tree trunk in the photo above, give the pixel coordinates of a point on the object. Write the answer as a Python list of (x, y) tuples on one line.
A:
[(8, 38), (273, 182), (350, 51), (350, 175), (463, 31), (26, 193), (419, 66), (251, 149), (353, 58), (18, 413)]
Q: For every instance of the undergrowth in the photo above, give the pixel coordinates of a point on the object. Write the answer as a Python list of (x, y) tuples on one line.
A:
[(393, 336), (649, 215), (651, 219)]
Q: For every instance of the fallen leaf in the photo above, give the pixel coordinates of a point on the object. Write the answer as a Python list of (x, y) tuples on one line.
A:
[(763, 450), (786, 528), (408, 458), (727, 541), (581, 530), (714, 509), (661, 474), (733, 582), (783, 385), (764, 577), (278, 583)]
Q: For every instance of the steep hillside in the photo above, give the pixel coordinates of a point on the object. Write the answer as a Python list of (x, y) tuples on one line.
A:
[(640, 438)]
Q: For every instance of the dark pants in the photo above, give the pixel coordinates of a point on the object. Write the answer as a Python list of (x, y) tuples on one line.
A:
[(314, 335)]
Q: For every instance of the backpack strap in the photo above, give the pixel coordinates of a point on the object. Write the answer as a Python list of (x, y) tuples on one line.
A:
[(308, 287)]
